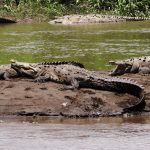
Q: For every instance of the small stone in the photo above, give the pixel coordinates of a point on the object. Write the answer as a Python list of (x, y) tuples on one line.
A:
[(64, 104)]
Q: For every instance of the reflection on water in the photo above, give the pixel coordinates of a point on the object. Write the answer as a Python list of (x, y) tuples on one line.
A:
[(93, 45), (72, 134)]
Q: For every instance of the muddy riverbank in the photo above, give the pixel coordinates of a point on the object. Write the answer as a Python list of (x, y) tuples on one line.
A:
[(24, 97)]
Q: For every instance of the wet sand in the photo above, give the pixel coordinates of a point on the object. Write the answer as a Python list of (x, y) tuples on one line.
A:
[(25, 97)]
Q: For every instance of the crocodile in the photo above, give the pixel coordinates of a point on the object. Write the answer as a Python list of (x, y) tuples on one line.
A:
[(74, 77), (133, 65), (6, 72), (93, 18), (41, 64)]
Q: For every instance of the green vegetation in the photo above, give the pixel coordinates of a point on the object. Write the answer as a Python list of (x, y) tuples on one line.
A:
[(44, 9)]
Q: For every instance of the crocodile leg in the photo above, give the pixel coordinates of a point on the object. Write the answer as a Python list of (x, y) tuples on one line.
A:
[(41, 79), (46, 77), (135, 67), (74, 85), (6, 76)]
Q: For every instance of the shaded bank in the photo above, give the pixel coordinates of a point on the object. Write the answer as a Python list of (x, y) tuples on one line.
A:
[(24, 97), (6, 20)]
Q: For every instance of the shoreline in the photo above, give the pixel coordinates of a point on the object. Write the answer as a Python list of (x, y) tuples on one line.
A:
[(74, 19), (22, 97)]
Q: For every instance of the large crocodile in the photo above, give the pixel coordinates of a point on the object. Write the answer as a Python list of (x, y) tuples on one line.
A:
[(6, 72), (77, 77), (133, 65), (93, 18)]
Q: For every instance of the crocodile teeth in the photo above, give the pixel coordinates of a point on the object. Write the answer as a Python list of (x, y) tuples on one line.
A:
[(141, 86), (135, 82)]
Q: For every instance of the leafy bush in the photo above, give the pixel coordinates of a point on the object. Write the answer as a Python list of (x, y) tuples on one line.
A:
[(51, 8), (133, 7)]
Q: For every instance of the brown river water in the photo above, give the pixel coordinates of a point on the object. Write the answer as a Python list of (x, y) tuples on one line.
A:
[(42, 133), (94, 46)]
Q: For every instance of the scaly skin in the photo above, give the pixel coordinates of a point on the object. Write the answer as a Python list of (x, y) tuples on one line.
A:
[(94, 18), (134, 18), (6, 72), (134, 65), (62, 63), (77, 77)]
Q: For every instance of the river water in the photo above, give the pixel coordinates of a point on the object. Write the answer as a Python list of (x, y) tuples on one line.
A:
[(132, 133), (94, 46)]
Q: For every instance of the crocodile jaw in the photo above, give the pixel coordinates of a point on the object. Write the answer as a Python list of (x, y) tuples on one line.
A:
[(123, 63), (20, 65), (121, 68), (25, 69)]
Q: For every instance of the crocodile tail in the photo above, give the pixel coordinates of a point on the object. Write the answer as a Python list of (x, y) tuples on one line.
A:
[(138, 91), (63, 63), (136, 18), (131, 87), (122, 85)]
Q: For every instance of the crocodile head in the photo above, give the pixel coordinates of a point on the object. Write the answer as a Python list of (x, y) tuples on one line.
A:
[(122, 67), (24, 69)]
